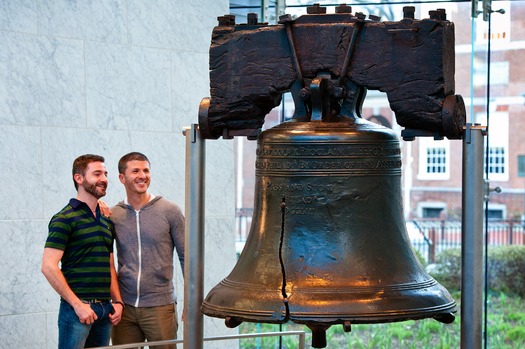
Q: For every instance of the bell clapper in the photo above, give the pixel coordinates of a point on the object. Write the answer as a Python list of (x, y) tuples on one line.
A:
[(232, 322), (446, 318), (318, 335), (347, 326)]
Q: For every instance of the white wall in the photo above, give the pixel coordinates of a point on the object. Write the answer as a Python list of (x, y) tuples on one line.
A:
[(104, 77)]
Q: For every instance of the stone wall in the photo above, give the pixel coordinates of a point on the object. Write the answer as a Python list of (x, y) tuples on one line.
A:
[(105, 77)]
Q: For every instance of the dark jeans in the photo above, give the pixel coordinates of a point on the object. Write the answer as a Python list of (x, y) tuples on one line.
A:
[(72, 334)]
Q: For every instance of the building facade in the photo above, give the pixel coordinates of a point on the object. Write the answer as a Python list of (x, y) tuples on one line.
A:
[(493, 88)]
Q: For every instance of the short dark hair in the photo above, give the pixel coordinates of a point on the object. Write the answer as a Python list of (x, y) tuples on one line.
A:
[(135, 155), (81, 163)]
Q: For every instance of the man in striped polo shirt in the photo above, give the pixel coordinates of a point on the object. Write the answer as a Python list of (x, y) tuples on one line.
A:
[(81, 240)]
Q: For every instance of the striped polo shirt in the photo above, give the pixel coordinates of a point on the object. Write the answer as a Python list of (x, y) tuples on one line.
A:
[(87, 242)]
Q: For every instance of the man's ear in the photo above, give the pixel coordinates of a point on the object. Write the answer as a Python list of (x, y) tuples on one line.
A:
[(121, 178), (78, 178)]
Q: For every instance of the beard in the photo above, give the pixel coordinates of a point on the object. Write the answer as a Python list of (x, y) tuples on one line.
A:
[(95, 189)]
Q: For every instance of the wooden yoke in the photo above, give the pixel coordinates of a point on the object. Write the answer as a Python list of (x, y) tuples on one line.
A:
[(253, 64)]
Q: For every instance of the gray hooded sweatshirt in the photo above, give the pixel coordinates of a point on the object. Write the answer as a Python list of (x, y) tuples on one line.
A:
[(145, 241)]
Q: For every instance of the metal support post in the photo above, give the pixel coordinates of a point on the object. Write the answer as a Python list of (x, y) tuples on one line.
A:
[(194, 239), (486, 9), (472, 237)]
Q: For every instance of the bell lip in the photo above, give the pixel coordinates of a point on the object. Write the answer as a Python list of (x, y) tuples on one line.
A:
[(436, 306), (374, 319), (362, 304), (244, 315), (258, 316), (380, 317)]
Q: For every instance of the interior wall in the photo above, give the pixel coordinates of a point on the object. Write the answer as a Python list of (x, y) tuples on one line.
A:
[(105, 77)]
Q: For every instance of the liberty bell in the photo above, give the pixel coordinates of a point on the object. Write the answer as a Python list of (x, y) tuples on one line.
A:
[(328, 243)]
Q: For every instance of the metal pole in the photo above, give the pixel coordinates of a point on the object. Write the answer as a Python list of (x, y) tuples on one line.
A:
[(472, 237), (194, 239)]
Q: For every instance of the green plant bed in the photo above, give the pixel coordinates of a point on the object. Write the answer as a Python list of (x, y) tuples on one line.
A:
[(505, 329), (506, 269)]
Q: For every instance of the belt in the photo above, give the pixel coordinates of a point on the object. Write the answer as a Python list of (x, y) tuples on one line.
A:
[(92, 301)]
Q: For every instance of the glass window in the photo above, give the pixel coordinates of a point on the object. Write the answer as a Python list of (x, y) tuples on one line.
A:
[(521, 165), (497, 211), (431, 212), (434, 159), (498, 145), (431, 209), (495, 214), (496, 160), (492, 86)]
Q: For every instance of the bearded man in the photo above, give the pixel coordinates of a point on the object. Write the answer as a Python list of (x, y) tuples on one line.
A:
[(78, 261)]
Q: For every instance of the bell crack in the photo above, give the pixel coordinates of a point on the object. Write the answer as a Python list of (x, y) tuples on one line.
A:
[(281, 261)]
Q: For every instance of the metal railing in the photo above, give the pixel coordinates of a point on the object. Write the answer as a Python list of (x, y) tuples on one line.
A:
[(428, 236), (301, 336)]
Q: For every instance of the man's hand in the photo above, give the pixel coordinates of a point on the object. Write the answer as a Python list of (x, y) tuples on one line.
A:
[(104, 208), (116, 316), (85, 314)]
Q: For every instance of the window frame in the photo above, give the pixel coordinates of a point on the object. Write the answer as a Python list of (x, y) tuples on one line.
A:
[(425, 144)]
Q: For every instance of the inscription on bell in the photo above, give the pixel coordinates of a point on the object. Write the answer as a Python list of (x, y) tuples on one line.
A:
[(319, 158), (310, 188), (275, 164), (328, 150), (303, 198)]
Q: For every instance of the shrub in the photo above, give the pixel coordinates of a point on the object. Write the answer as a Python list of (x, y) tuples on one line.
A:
[(516, 334), (420, 257), (447, 269), (506, 269)]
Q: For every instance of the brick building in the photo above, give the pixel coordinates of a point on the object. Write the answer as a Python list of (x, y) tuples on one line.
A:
[(432, 170), (435, 167)]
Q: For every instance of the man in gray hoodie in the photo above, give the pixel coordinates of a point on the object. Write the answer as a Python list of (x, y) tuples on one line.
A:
[(148, 229)]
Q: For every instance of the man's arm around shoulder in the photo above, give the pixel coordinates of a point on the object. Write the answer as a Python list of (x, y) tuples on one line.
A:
[(116, 316)]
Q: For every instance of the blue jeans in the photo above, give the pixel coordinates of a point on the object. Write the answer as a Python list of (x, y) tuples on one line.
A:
[(72, 334)]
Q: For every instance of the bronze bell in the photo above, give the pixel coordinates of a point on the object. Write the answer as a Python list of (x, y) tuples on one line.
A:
[(328, 243)]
